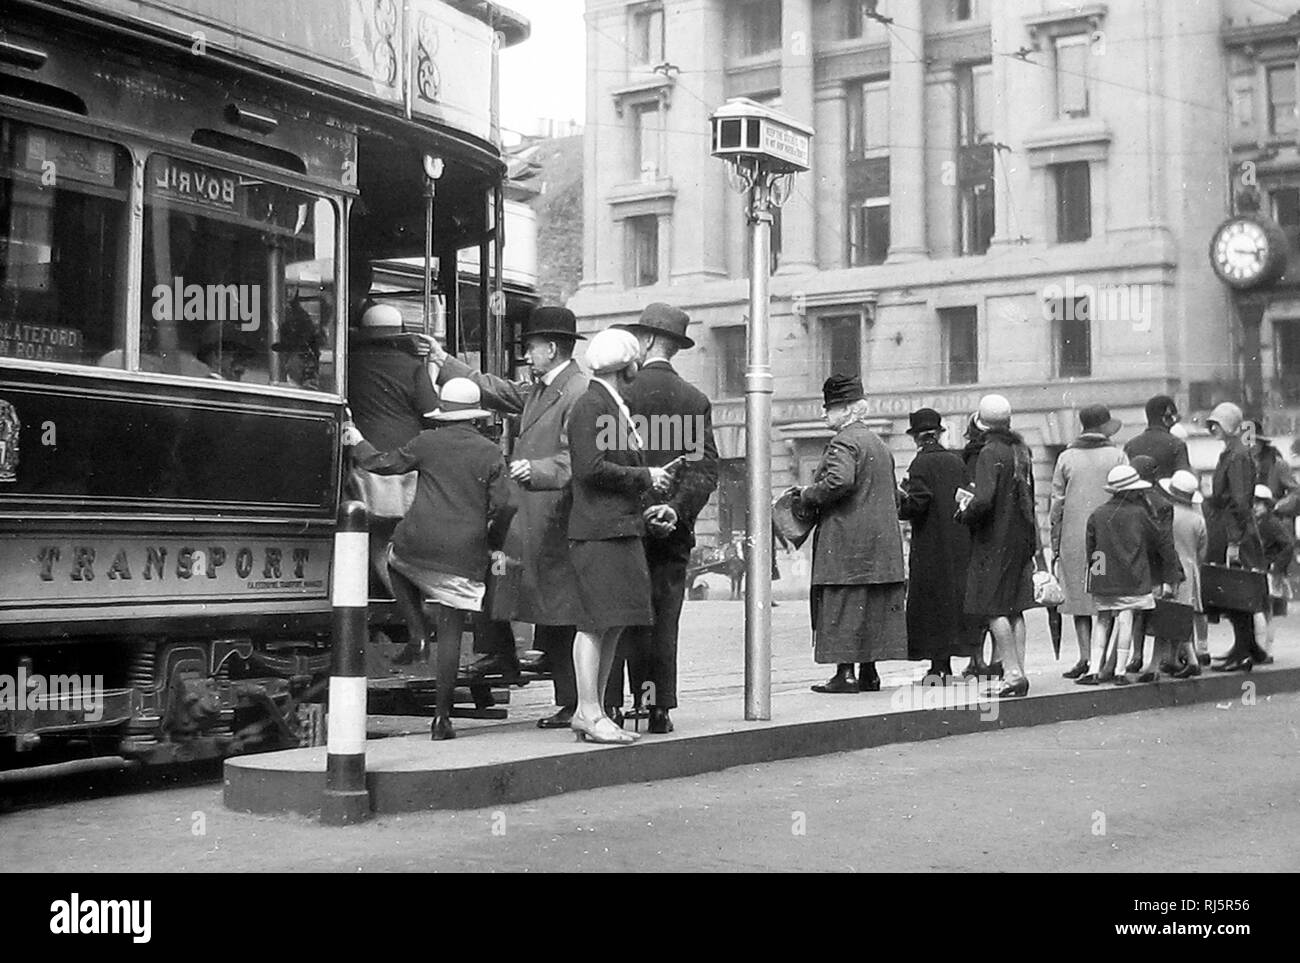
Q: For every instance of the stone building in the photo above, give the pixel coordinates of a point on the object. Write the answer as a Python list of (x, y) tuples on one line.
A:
[(1006, 195)]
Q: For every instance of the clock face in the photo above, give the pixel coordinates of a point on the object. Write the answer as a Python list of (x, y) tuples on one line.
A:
[(1245, 254)]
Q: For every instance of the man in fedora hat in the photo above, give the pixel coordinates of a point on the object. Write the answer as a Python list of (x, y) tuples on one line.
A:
[(1159, 440), (680, 422), (540, 466)]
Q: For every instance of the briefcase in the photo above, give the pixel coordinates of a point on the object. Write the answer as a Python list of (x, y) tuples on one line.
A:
[(1170, 620), (1233, 589)]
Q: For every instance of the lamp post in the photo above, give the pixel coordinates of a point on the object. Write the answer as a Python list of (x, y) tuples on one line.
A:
[(763, 149)]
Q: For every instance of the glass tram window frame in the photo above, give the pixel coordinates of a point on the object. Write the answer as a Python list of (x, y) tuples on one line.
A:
[(129, 296), (81, 181)]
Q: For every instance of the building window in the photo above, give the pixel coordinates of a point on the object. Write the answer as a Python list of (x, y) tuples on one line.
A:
[(961, 347), (759, 27), (1286, 338), (648, 34), (641, 251), (842, 342), (1073, 201), (1282, 120), (868, 172), (644, 158), (963, 9), (975, 159), (731, 361), (1072, 52), (1073, 328), (1286, 211)]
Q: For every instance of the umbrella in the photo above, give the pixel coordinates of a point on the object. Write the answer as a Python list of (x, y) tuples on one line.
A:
[(1054, 626)]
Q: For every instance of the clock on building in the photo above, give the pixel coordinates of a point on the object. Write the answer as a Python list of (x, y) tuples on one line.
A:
[(1248, 252)]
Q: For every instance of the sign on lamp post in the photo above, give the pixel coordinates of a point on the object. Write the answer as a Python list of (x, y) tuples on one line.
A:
[(763, 149)]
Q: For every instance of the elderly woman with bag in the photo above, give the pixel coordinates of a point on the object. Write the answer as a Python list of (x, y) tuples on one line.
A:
[(858, 584)]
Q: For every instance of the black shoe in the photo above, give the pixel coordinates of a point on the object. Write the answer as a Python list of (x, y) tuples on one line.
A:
[(1266, 660), (560, 720), (1089, 679), (442, 729), (1203, 658), (411, 653), (1151, 676), (869, 685), (1243, 664), (541, 665), (1012, 689), (1133, 666), (1122, 679), (1189, 671), (490, 666), (660, 723), (1080, 668), (1169, 668), (838, 684)]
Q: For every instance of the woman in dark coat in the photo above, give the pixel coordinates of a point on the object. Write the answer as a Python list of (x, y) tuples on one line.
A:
[(857, 572), (936, 584), (976, 627), (606, 527), (1004, 539), (1231, 526), (438, 560)]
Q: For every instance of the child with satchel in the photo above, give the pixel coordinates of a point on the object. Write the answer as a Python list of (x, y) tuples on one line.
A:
[(1191, 541), (1128, 557)]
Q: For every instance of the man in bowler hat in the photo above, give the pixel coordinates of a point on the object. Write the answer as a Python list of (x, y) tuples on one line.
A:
[(540, 466), (680, 420)]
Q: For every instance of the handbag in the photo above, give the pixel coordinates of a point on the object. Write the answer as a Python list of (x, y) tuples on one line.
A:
[(1230, 589), (793, 522), (385, 496), (1047, 590), (1170, 620)]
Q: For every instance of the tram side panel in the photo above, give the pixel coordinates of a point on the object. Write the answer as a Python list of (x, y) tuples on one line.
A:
[(164, 566)]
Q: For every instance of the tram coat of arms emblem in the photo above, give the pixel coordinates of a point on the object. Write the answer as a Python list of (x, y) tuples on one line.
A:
[(9, 428)]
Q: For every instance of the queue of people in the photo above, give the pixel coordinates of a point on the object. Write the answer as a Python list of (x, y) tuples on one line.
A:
[(599, 522)]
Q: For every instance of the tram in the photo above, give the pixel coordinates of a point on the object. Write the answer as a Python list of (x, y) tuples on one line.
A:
[(190, 194)]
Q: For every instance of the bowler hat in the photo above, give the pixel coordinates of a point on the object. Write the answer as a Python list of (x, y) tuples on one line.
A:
[(842, 390), (552, 322), (924, 419), (661, 318), (1096, 419)]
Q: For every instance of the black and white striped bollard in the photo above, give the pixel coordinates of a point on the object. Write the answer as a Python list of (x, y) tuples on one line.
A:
[(347, 800)]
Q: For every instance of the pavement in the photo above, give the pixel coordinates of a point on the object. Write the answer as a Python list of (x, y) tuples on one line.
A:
[(1205, 788), (496, 763)]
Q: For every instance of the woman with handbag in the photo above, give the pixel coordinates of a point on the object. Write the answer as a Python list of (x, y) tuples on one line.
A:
[(1233, 532)]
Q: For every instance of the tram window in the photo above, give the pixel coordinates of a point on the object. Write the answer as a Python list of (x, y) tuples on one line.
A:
[(64, 216), (238, 278)]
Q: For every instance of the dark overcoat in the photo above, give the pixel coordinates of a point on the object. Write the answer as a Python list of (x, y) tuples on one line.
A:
[(1004, 535), (677, 418), (854, 492), (1229, 515), (539, 536), (940, 554)]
